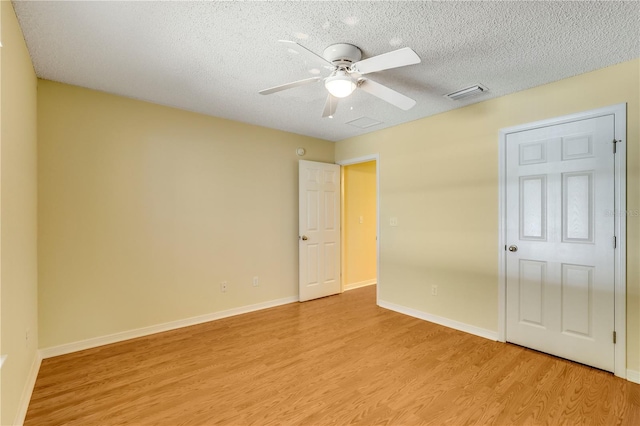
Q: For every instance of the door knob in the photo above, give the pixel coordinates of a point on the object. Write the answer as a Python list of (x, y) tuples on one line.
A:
[(513, 248), (304, 238)]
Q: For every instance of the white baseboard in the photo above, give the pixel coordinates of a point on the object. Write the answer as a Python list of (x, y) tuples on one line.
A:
[(359, 284), (456, 325), (159, 328), (633, 376), (28, 390)]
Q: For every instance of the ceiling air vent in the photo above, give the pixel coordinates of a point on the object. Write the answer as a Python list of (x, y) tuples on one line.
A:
[(467, 92), (364, 122)]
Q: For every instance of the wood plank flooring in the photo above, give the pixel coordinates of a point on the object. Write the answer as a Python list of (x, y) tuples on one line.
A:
[(337, 360)]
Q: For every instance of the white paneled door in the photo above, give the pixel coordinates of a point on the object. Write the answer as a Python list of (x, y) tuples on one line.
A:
[(560, 240), (319, 237)]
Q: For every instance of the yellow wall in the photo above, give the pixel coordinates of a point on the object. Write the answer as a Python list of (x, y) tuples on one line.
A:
[(439, 177), (359, 197), (18, 207), (144, 210)]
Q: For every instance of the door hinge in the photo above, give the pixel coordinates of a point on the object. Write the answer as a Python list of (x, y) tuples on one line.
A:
[(615, 242), (615, 142), (614, 337)]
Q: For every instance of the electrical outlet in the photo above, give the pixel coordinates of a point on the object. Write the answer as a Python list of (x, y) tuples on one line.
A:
[(223, 286), (256, 282), (393, 221), (434, 290)]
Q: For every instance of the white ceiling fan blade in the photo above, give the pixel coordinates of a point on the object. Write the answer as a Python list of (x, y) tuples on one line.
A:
[(397, 58), (386, 94), (306, 53), (288, 85), (330, 106)]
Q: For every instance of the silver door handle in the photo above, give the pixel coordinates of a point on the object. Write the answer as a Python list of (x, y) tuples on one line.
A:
[(513, 248), (304, 238)]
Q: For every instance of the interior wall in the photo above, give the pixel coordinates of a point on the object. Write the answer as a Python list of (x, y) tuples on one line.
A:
[(144, 210), (439, 177), (18, 223), (359, 222)]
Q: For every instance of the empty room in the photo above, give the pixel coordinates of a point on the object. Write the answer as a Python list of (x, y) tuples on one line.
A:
[(313, 213)]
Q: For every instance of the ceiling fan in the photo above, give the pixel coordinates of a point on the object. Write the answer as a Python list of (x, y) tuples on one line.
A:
[(347, 71)]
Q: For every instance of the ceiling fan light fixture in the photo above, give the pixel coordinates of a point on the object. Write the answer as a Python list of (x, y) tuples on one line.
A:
[(340, 84)]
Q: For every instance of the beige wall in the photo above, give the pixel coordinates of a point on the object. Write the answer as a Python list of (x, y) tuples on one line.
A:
[(359, 240), (144, 210), (439, 176), (18, 197)]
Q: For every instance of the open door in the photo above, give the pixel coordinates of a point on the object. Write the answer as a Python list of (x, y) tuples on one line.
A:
[(319, 233)]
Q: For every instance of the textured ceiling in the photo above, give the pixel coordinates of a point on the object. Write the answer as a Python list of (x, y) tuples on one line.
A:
[(214, 57)]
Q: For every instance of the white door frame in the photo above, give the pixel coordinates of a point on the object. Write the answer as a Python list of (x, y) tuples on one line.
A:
[(364, 159), (619, 112)]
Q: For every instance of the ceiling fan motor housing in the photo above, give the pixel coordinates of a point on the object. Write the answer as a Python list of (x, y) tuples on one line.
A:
[(342, 54)]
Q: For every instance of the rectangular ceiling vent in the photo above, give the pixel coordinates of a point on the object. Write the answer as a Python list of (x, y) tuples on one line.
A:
[(467, 92), (364, 122)]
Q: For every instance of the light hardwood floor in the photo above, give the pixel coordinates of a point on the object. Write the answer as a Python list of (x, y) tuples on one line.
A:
[(337, 360)]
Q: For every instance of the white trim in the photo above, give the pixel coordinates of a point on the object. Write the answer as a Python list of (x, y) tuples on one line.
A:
[(619, 112), (633, 376), (456, 325), (620, 321), (358, 160), (364, 159), (584, 115), (360, 284), (28, 390), (502, 237), (159, 328)]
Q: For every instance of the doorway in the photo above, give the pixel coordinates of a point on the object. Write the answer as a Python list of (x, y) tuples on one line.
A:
[(359, 217)]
